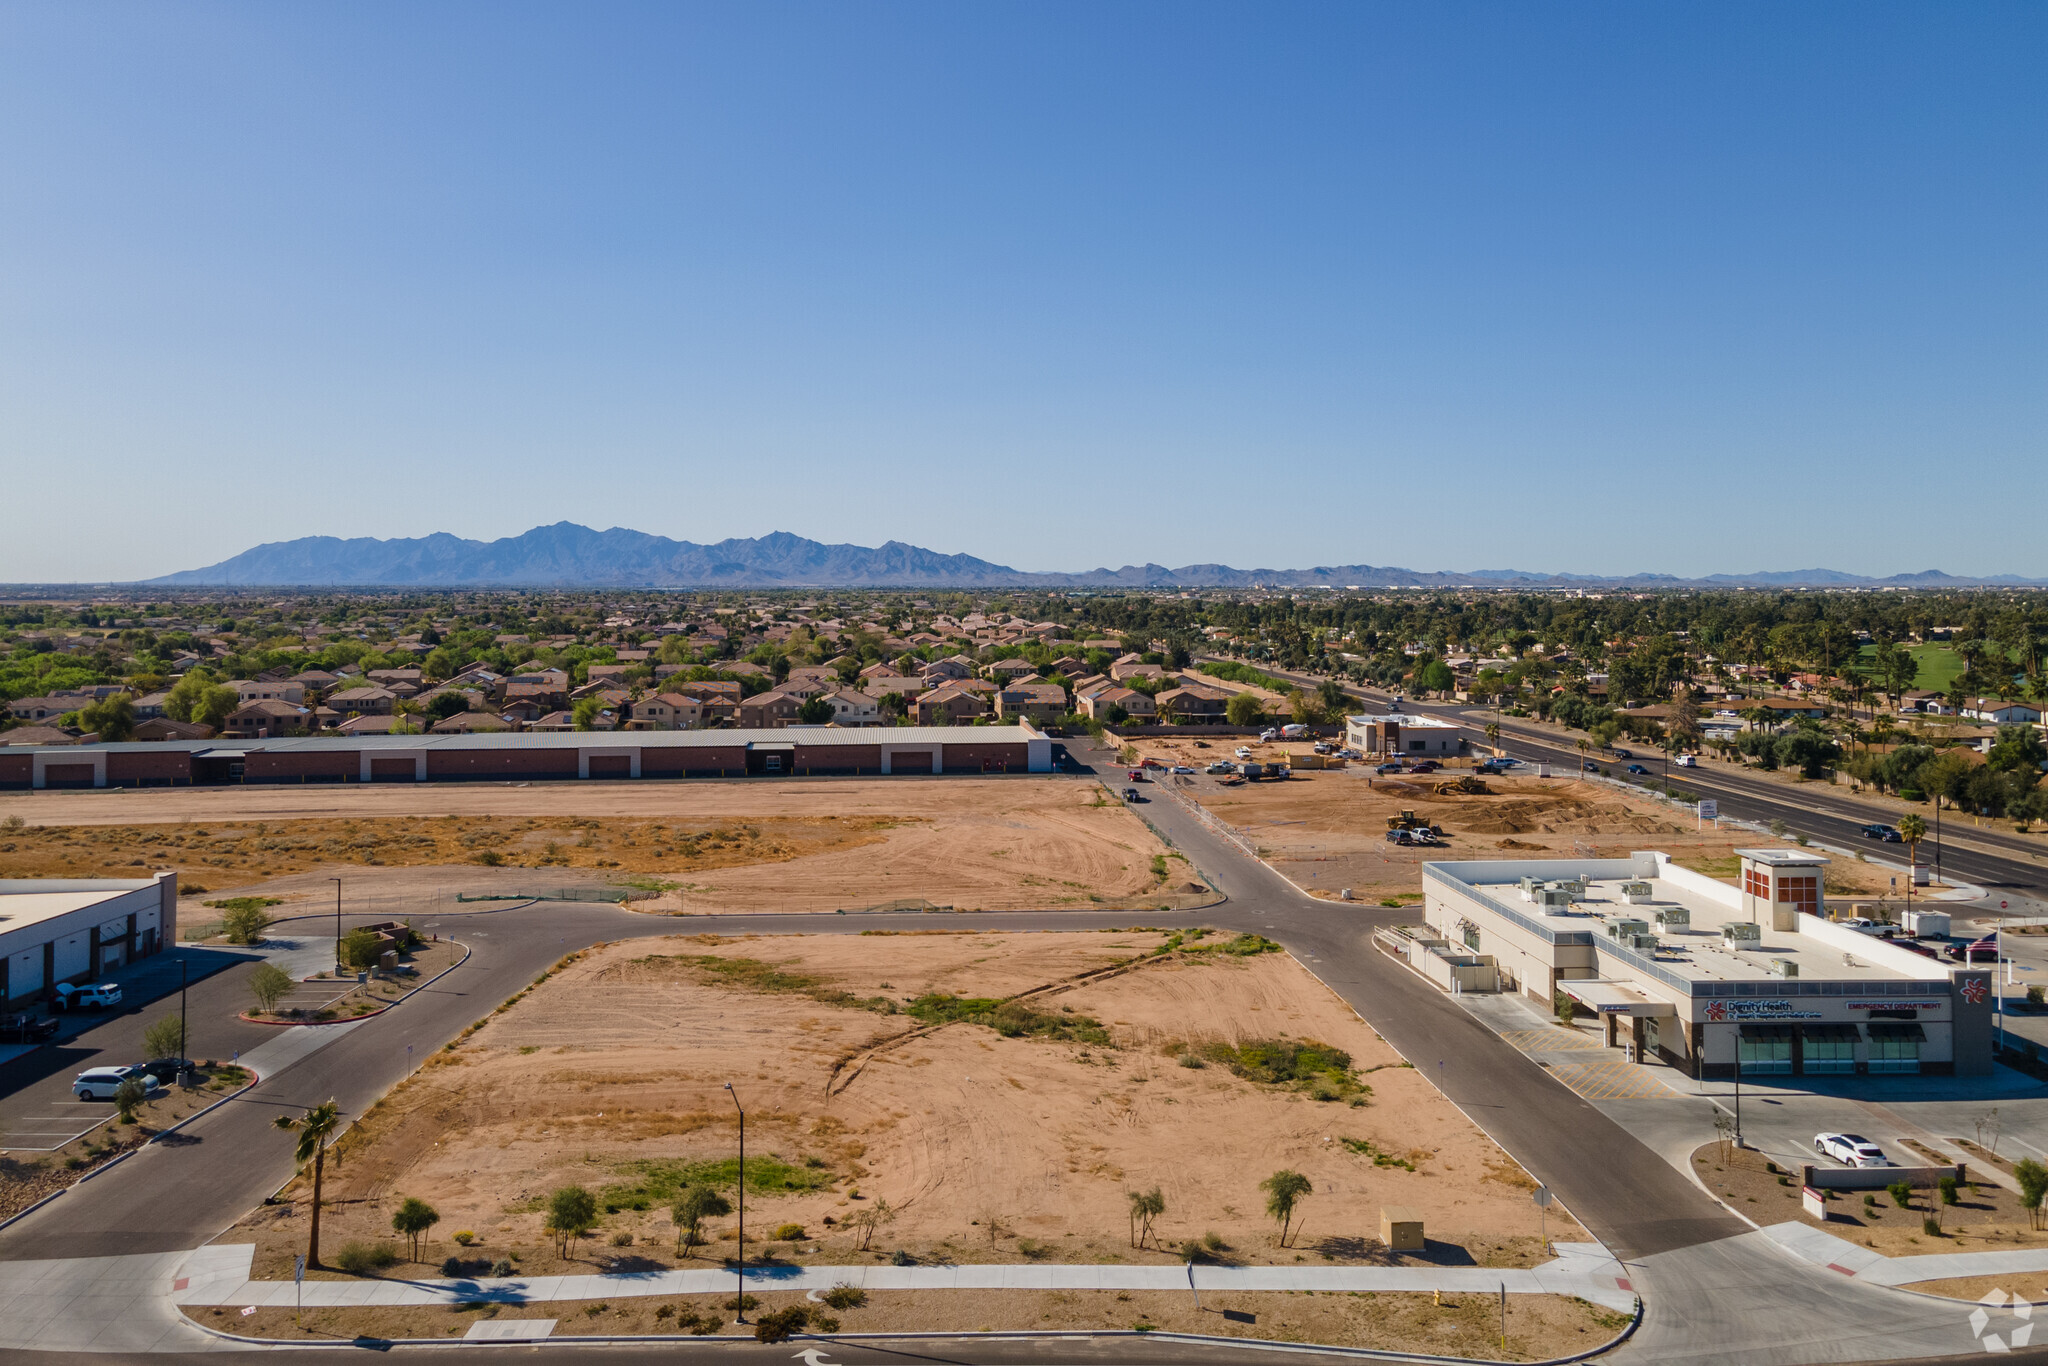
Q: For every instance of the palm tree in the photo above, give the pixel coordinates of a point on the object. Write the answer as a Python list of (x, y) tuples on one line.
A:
[(316, 1130), (1284, 1190)]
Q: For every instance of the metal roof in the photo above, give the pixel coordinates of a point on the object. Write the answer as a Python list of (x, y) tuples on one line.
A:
[(893, 736)]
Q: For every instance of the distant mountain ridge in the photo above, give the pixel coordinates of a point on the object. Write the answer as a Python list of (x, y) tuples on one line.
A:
[(566, 555)]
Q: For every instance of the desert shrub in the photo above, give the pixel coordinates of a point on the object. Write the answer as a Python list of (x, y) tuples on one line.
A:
[(1212, 1241), (129, 1094), (1947, 1187), (1190, 1060), (359, 1259), (464, 1237), (489, 858), (1011, 1019), (1901, 1194), (502, 1267), (741, 1303), (788, 1233), (1931, 1226), (901, 1258), (622, 1239), (704, 1327), (777, 1327), (269, 983), (846, 1297), (460, 1268)]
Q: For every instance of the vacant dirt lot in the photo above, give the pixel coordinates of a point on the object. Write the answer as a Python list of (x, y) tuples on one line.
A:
[(1538, 1326), (884, 1082), (968, 843), (1326, 829)]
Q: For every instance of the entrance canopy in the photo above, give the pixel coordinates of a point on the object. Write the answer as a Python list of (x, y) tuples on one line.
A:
[(1615, 998)]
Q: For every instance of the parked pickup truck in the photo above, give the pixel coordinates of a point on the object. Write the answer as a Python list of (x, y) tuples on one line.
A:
[(25, 1029)]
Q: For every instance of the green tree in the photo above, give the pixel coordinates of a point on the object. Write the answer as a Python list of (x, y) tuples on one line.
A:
[(1243, 709), (316, 1129), (2017, 748), (815, 711), (1145, 1207), (1336, 702), (129, 1094), (359, 949), (585, 713), (112, 718), (2033, 1182), (692, 1208), (1285, 1190), (244, 922), (165, 1039), (448, 704), (572, 1212), (269, 984), (412, 1220), (1435, 676)]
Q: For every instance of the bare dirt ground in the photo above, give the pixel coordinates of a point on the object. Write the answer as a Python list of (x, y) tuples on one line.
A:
[(1326, 829), (1538, 1326), (962, 843), (2031, 1286), (957, 1141)]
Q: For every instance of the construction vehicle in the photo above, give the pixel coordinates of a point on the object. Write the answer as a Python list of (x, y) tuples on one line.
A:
[(1409, 821), (1466, 786)]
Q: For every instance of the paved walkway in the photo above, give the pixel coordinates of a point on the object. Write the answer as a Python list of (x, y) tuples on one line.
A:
[(95, 1304), (1865, 1264), (219, 1276)]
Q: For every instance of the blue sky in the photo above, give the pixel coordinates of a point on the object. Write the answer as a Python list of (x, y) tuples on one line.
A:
[(1598, 288)]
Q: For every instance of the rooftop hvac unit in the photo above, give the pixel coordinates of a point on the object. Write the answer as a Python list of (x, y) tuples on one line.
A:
[(1740, 933), (1673, 916), (1784, 967), (1635, 893), (1553, 896), (1530, 886), (1622, 929), (1575, 885), (1641, 943)]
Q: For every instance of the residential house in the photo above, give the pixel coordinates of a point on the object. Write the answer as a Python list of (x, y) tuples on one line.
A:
[(667, 711), (1071, 666), (607, 673), (1134, 666), (950, 669), (365, 701), (150, 706), (882, 684), (1011, 670), (259, 690), (388, 677), (524, 710), (38, 735), (2000, 712), (850, 708), (49, 708), (948, 706), (164, 728), (1040, 702), (372, 725), (555, 721), (1192, 703), (771, 710), (471, 722), (822, 674), (1136, 705), (268, 717)]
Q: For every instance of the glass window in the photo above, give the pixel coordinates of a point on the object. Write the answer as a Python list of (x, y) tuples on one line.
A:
[(1765, 1056), (1825, 1056), (1894, 1055)]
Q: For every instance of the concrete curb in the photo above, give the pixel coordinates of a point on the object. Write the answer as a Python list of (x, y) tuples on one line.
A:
[(1200, 1339)]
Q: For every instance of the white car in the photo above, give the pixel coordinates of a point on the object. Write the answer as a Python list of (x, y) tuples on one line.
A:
[(104, 996), (1688, 761), (1851, 1150), (1221, 766), (1183, 768), (1243, 751), (100, 1083)]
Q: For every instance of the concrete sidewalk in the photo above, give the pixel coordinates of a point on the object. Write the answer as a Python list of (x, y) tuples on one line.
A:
[(1838, 1254), (96, 1304), (219, 1276)]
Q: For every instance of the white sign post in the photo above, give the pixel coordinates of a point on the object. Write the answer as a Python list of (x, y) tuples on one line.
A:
[(1710, 810), (1543, 1197)]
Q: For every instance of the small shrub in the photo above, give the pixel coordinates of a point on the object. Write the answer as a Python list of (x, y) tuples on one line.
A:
[(846, 1297), (777, 1327), (1901, 1194), (622, 1240), (1869, 1201), (593, 1310), (1931, 1226), (1212, 1241), (1190, 1060), (741, 1303), (489, 858), (788, 1233), (359, 1259), (2037, 995), (464, 1237), (502, 1267), (666, 1311), (1947, 1186), (902, 1258)]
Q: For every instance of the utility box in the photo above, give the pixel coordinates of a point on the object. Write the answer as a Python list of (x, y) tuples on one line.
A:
[(388, 960), (1401, 1229), (1636, 893)]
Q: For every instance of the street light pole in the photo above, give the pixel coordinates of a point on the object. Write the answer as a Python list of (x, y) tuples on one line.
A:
[(739, 1300), (337, 922), (1738, 1085), (184, 1039)]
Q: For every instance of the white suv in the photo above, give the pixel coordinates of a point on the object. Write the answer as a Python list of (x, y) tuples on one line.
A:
[(1851, 1150), (100, 1083)]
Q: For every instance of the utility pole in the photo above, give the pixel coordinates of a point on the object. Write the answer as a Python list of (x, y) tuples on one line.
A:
[(337, 923), (184, 1039), (740, 1300)]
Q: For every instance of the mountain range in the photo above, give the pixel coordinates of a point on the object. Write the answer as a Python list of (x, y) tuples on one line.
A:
[(567, 555)]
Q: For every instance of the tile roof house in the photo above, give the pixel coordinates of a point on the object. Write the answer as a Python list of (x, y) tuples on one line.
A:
[(1011, 670), (363, 701), (769, 710), (470, 723), (38, 735), (948, 706), (1134, 703), (1191, 703), (260, 690), (268, 717), (850, 708), (666, 711), (2002, 712), (164, 728), (1039, 702)]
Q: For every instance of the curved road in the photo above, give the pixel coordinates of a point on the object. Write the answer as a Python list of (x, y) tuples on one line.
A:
[(1713, 1291)]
